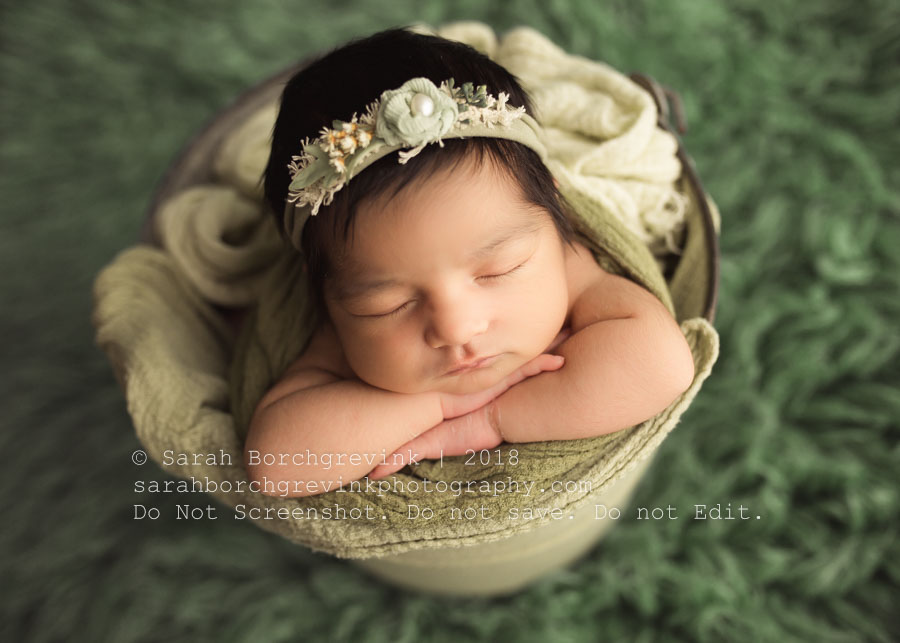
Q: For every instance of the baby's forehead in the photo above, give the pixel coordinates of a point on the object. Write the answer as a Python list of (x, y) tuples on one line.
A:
[(350, 267)]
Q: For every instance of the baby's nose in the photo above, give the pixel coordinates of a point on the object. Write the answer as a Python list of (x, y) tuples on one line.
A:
[(456, 325)]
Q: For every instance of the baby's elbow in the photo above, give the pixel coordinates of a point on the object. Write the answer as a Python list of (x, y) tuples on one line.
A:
[(258, 471), (678, 372), (255, 469), (669, 358), (668, 349), (270, 482), (282, 475)]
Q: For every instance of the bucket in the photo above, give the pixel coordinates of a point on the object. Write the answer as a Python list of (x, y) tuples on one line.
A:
[(512, 562)]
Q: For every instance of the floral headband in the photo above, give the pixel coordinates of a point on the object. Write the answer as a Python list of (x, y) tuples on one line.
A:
[(408, 119)]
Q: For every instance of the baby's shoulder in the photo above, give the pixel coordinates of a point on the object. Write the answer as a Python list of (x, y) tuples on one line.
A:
[(582, 270), (323, 352), (596, 294)]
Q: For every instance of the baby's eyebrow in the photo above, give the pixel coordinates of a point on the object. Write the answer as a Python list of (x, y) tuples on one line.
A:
[(525, 227)]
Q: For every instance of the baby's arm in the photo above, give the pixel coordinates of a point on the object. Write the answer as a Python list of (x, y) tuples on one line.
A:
[(320, 407), (626, 361)]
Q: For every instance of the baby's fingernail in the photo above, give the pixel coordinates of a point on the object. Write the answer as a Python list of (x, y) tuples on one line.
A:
[(560, 359)]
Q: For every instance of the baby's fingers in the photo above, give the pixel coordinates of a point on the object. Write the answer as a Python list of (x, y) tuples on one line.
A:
[(398, 461), (543, 362)]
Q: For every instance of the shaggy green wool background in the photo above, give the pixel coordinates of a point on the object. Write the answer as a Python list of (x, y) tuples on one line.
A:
[(794, 127)]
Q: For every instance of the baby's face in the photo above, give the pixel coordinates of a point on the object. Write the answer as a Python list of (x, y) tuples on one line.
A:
[(455, 268)]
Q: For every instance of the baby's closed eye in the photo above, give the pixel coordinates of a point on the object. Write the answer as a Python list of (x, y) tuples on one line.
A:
[(490, 277), (506, 273)]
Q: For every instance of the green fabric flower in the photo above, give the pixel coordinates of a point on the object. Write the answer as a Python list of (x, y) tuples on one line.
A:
[(402, 121)]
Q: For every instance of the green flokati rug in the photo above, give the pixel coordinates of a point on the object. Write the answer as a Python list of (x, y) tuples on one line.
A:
[(794, 128)]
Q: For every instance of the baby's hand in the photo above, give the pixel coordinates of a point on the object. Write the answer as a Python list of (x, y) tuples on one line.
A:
[(469, 432), (466, 425), (454, 405)]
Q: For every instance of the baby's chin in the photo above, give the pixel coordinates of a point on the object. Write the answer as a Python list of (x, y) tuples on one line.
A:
[(460, 384)]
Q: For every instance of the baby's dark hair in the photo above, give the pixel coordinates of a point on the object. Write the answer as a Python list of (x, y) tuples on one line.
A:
[(345, 81)]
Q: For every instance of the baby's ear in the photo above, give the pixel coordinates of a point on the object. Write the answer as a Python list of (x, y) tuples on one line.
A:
[(556, 183)]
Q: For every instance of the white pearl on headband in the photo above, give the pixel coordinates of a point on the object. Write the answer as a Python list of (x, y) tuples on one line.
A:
[(421, 104)]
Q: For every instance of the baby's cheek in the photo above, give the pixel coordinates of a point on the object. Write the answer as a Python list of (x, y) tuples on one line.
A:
[(389, 367)]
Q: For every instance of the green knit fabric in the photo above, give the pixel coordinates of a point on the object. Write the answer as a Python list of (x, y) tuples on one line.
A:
[(279, 328), (792, 110), (154, 318)]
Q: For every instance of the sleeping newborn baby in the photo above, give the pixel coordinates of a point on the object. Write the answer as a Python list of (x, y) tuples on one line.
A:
[(460, 309)]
